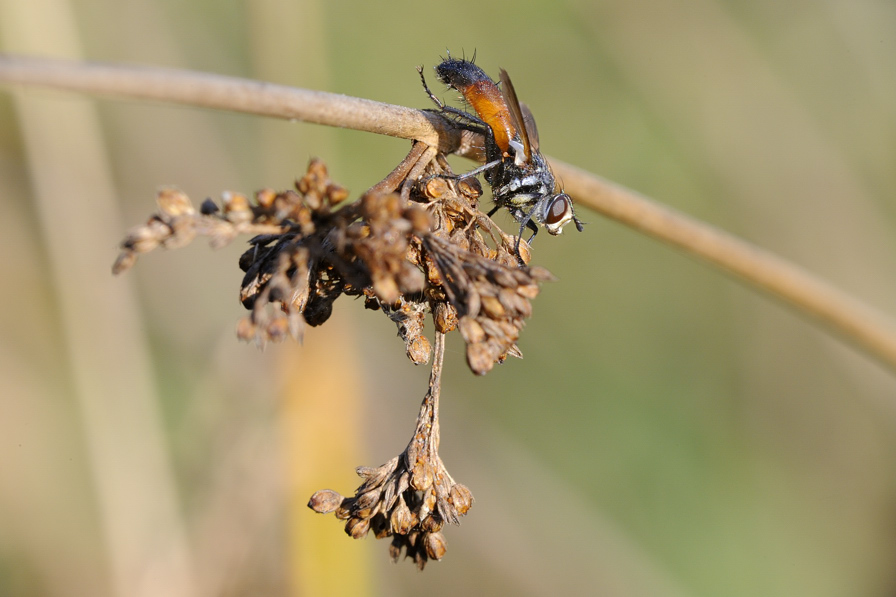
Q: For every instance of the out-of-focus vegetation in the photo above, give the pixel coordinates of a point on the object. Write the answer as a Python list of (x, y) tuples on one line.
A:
[(669, 431)]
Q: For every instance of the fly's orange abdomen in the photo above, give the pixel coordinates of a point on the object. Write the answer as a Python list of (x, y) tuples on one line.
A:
[(483, 95)]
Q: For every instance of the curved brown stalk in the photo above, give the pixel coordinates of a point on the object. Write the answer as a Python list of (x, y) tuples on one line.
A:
[(870, 330), (865, 327)]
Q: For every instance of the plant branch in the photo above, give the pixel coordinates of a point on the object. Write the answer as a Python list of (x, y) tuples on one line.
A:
[(867, 328), (857, 322), (235, 95)]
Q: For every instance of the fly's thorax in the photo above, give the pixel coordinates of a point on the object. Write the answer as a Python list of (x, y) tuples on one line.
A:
[(522, 185), (523, 200)]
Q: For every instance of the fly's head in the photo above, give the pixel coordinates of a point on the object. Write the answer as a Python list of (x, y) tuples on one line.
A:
[(556, 211)]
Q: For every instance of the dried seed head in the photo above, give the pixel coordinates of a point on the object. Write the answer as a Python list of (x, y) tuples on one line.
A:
[(424, 250), (412, 496)]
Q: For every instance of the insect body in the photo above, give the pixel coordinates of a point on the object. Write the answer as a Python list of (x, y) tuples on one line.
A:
[(521, 180)]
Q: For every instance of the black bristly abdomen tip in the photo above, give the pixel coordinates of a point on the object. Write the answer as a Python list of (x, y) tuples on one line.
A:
[(460, 74)]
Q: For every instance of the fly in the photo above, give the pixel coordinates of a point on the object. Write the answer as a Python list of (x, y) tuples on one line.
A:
[(520, 177)]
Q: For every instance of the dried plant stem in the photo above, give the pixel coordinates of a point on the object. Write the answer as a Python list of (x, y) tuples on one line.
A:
[(232, 94), (864, 326), (427, 435), (870, 330)]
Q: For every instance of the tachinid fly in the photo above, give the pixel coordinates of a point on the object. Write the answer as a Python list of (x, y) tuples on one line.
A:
[(518, 174)]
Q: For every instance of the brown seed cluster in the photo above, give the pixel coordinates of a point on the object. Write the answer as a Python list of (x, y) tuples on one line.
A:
[(409, 498), (415, 245), (491, 300)]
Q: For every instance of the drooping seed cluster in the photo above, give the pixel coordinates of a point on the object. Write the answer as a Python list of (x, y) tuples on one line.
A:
[(491, 300), (426, 250), (410, 497)]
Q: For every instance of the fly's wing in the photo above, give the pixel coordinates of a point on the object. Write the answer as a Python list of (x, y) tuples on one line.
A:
[(516, 113), (529, 125)]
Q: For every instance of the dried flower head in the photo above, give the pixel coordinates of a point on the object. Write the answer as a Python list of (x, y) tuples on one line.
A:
[(414, 245), (410, 497)]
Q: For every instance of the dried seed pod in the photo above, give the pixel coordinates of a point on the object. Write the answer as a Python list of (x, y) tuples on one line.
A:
[(277, 329), (515, 303), (431, 523), (265, 197), (325, 501), (386, 289), (419, 350), (479, 358), (173, 202), (364, 513), (356, 528), (461, 498), (433, 275), (421, 476), (435, 545), (367, 500), (236, 207), (492, 307), (146, 238), (401, 519), (336, 193), (245, 329), (445, 317), (344, 511), (375, 475), (124, 262), (471, 330), (470, 188)]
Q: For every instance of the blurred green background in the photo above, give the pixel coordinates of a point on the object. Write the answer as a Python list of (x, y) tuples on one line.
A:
[(669, 432)]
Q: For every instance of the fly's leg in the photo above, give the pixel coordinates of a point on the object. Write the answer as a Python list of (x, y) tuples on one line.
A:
[(479, 170), (529, 223), (464, 120)]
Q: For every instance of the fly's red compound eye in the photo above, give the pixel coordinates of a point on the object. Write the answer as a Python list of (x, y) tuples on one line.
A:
[(560, 210), (559, 213)]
